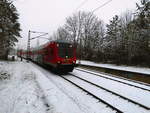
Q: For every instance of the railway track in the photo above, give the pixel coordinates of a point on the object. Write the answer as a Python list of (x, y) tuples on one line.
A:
[(96, 97), (117, 102), (139, 93), (113, 92), (142, 86), (79, 82), (138, 77)]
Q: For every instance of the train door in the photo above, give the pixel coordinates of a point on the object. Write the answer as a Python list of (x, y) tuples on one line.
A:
[(51, 54), (45, 54)]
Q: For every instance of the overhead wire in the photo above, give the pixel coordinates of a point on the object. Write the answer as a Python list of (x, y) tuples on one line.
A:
[(81, 4), (101, 6), (78, 7), (85, 1)]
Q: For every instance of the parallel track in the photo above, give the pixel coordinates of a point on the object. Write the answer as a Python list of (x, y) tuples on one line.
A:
[(102, 100), (118, 110), (130, 100), (112, 107), (118, 80), (139, 79)]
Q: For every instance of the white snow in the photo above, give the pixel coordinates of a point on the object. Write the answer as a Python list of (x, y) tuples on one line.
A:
[(131, 82), (123, 105), (133, 93), (28, 88), (24, 88), (122, 67), (58, 101), (19, 93), (85, 103), (29, 91)]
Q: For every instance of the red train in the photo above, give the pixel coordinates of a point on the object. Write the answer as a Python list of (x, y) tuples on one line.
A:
[(59, 55)]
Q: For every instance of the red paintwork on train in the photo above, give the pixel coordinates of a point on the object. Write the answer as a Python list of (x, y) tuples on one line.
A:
[(50, 54)]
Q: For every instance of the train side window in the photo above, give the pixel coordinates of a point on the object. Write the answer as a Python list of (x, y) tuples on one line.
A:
[(46, 51)]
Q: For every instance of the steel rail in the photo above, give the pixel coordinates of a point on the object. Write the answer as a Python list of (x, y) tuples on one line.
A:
[(116, 80), (139, 82), (101, 100), (130, 100)]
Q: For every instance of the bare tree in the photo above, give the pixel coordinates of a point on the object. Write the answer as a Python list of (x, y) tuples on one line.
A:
[(87, 28)]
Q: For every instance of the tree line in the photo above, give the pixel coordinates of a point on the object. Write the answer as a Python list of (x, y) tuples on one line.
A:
[(9, 27), (125, 40)]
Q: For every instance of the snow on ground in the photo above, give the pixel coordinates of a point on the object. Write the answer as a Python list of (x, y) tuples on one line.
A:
[(58, 101), (123, 105), (18, 91), (85, 103), (28, 88), (25, 88), (112, 66), (115, 78), (133, 93)]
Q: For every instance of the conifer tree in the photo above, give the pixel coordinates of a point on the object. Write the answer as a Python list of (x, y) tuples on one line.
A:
[(9, 27)]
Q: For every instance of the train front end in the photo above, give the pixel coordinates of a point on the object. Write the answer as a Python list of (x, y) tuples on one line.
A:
[(66, 56)]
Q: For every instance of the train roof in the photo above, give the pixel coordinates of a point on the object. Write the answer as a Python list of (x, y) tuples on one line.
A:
[(62, 41), (46, 44)]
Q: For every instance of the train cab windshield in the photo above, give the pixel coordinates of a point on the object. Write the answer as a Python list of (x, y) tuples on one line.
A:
[(65, 50)]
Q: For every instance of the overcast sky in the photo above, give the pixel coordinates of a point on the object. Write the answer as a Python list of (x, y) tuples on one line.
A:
[(48, 15)]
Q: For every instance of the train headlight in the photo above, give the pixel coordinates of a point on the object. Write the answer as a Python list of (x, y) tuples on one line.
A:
[(74, 62), (58, 62), (70, 46)]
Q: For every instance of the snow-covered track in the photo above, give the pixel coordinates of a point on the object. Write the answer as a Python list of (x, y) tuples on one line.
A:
[(128, 99), (116, 101), (123, 69), (52, 77), (96, 97), (140, 85)]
